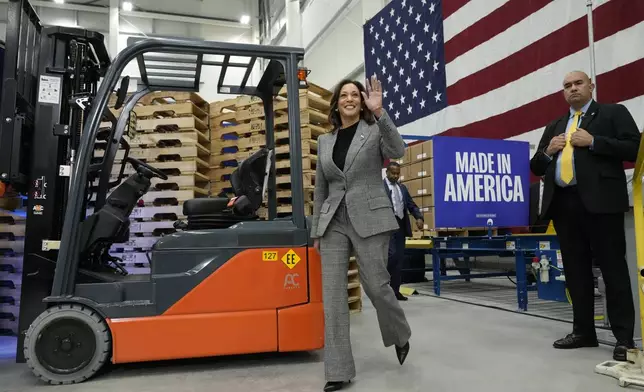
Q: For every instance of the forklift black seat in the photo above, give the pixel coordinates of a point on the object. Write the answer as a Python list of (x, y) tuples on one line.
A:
[(248, 186)]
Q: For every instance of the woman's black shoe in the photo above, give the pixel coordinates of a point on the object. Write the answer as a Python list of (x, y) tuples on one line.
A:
[(401, 352), (335, 385)]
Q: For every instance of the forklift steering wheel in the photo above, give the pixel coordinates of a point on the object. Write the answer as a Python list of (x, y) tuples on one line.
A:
[(137, 163)]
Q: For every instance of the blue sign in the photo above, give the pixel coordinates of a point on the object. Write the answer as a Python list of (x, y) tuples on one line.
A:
[(477, 180)]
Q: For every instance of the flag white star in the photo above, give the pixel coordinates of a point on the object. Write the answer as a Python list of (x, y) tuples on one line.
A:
[(371, 29), (409, 109), (400, 47), (397, 114), (393, 36), (414, 93), (404, 3), (424, 2), (389, 54), (378, 61), (391, 106), (429, 86), (401, 71), (421, 74), (434, 37), (411, 9), (389, 78), (382, 20), (406, 55), (417, 18), (435, 66), (426, 28), (396, 87), (386, 28), (431, 8), (392, 12), (412, 38), (395, 62), (438, 97), (413, 64), (398, 21), (422, 103), (384, 69), (428, 56), (373, 50), (408, 81), (377, 35), (384, 94), (402, 99), (382, 43), (405, 27), (420, 46)]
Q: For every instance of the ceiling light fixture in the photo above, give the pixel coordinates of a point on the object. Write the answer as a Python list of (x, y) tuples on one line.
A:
[(127, 6), (245, 19)]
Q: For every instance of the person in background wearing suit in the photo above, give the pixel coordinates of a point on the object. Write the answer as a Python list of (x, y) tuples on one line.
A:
[(581, 157), (352, 213), (403, 204)]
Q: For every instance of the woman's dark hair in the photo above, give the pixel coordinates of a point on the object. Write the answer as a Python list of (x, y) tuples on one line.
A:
[(334, 115)]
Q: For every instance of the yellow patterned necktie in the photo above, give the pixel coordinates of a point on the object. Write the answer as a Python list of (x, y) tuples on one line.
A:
[(566, 154)]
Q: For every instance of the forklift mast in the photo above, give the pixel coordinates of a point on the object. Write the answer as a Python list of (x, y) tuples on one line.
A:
[(50, 77), (53, 106)]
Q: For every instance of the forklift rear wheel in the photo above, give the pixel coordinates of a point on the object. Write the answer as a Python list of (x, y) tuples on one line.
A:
[(67, 344)]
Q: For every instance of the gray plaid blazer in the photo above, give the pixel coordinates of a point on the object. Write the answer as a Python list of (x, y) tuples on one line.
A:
[(369, 207)]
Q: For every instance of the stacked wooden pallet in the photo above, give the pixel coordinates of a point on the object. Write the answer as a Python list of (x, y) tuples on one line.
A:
[(171, 134), (354, 289), (238, 129), (12, 233)]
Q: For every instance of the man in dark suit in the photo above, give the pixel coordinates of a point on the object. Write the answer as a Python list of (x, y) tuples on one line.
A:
[(403, 204), (580, 157)]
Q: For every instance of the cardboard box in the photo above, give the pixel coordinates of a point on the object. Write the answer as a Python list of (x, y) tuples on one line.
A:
[(420, 187), (421, 169), (421, 151), (404, 173), (424, 202)]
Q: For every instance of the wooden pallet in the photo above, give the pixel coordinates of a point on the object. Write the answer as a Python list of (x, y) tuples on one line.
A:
[(170, 168), (185, 137), (172, 124), (174, 97), (174, 110), (354, 288), (164, 154)]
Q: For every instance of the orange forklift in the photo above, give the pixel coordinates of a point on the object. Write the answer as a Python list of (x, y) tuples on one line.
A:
[(227, 282)]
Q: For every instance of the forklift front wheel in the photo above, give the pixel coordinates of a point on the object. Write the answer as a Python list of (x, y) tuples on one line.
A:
[(67, 344)]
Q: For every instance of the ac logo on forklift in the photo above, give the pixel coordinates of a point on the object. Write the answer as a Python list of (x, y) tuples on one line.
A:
[(290, 282), (290, 259)]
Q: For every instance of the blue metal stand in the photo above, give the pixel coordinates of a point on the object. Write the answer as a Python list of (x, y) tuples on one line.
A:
[(523, 247)]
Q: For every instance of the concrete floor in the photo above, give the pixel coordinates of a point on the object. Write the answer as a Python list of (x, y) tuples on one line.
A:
[(455, 347)]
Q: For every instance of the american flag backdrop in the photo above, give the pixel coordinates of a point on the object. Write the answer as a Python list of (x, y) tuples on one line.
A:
[(494, 68)]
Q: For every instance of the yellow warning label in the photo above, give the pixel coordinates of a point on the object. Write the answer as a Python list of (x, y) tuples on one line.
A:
[(269, 255), (290, 259)]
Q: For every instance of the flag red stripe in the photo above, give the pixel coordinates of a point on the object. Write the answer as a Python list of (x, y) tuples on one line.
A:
[(618, 85), (451, 6), (488, 27), (614, 16)]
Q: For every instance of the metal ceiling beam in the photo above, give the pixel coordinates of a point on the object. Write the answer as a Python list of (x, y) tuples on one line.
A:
[(138, 14)]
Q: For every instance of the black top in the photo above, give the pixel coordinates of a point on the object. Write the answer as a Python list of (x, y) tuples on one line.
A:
[(342, 144)]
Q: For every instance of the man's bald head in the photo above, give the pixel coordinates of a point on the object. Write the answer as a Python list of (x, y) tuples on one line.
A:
[(578, 89)]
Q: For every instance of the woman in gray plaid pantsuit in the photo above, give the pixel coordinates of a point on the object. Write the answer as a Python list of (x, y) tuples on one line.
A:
[(352, 214)]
